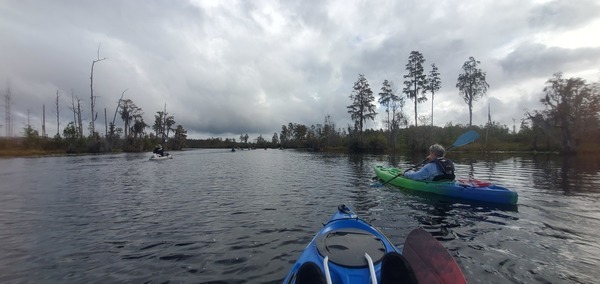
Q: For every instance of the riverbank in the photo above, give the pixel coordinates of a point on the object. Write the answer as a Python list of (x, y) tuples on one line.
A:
[(13, 153)]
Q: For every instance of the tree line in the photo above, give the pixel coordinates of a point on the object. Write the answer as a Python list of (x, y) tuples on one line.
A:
[(568, 121), (131, 137)]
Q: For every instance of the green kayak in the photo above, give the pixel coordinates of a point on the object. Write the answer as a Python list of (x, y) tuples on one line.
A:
[(464, 189)]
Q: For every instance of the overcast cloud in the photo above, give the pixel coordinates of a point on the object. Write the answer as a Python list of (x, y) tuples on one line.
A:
[(225, 68)]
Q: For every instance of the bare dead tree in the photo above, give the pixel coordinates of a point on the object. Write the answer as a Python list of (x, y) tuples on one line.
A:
[(57, 115), (77, 114), (73, 107), (8, 123), (112, 128), (44, 121), (118, 104), (92, 98), (79, 121), (105, 124)]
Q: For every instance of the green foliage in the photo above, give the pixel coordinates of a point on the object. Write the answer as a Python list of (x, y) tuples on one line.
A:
[(471, 84), (362, 107), (32, 138), (244, 138), (285, 136), (416, 80), (96, 145), (132, 117), (330, 136), (211, 143), (114, 137), (434, 83), (179, 141), (72, 142), (394, 108), (159, 125), (376, 142), (355, 145), (571, 114), (260, 142)]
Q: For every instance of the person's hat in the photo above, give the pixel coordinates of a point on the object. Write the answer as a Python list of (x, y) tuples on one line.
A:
[(438, 150)]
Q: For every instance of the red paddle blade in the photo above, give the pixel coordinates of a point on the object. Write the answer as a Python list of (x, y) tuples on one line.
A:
[(430, 261)]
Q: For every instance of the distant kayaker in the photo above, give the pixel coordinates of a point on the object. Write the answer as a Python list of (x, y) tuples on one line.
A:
[(159, 150), (438, 168)]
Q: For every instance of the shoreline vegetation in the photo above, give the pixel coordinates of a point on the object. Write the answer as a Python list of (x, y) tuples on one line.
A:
[(33, 153), (494, 139)]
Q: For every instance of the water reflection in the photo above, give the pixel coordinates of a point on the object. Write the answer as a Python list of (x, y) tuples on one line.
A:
[(362, 194), (440, 215), (394, 160), (567, 174)]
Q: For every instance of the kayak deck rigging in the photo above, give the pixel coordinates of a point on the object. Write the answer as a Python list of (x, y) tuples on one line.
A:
[(349, 250)]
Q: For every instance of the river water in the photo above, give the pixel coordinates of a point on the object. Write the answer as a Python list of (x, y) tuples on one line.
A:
[(215, 216)]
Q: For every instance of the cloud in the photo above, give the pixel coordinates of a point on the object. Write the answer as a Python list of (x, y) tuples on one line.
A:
[(563, 14), (224, 68), (538, 60)]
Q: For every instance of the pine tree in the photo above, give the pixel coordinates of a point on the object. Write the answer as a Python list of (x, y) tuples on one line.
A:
[(416, 80), (362, 107)]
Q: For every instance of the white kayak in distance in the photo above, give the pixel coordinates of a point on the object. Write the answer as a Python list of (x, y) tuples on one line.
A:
[(157, 157)]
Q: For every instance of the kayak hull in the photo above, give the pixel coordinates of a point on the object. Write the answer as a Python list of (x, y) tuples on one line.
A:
[(457, 189), (349, 250), (356, 268), (157, 157)]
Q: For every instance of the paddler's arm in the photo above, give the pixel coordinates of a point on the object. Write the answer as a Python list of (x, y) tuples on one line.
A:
[(425, 173)]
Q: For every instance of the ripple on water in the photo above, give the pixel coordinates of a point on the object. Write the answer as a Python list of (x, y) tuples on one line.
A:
[(213, 216)]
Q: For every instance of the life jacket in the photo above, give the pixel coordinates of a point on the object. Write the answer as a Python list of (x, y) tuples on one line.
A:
[(446, 167)]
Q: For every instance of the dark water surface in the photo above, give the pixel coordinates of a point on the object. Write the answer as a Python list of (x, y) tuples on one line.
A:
[(244, 217)]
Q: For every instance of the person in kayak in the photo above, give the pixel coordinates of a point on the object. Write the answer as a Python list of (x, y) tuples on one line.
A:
[(438, 168), (159, 150)]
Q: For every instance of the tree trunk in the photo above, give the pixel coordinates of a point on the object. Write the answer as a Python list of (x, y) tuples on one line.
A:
[(416, 109), (57, 116), (92, 97), (44, 121), (432, 108), (93, 103), (470, 112), (79, 120), (105, 124), (567, 144)]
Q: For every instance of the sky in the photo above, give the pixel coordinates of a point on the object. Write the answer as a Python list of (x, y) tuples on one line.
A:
[(226, 68)]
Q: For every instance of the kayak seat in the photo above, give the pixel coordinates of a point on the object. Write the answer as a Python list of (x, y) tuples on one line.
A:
[(310, 273), (347, 247), (396, 269)]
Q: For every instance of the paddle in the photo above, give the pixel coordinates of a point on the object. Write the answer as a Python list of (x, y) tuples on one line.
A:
[(430, 261), (462, 140)]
